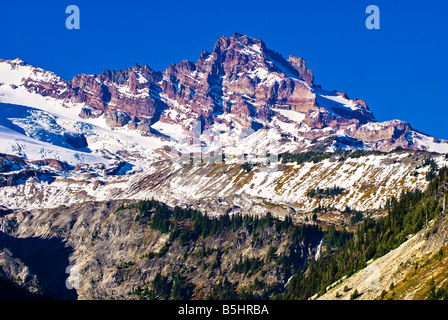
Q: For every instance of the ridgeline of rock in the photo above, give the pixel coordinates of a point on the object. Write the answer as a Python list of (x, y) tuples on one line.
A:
[(115, 250), (241, 82)]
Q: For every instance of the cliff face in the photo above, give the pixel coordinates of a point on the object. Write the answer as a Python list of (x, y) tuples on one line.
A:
[(239, 77), (404, 273), (111, 250)]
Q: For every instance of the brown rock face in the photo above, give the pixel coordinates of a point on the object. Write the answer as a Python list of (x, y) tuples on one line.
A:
[(305, 73), (386, 135), (87, 113), (393, 130), (240, 77), (117, 118), (132, 91)]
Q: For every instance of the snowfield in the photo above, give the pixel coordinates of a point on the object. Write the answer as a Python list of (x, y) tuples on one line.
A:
[(367, 181)]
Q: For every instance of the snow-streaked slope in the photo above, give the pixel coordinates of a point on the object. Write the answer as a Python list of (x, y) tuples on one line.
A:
[(335, 102), (29, 130), (35, 112), (425, 142), (368, 181), (12, 142), (16, 71), (292, 115)]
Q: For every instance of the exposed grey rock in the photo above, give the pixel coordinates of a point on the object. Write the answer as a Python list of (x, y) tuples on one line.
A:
[(107, 250)]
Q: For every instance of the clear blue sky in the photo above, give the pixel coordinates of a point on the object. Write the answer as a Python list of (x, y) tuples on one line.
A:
[(400, 70)]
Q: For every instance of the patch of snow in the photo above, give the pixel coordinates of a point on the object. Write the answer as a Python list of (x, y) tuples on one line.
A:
[(429, 143), (292, 115)]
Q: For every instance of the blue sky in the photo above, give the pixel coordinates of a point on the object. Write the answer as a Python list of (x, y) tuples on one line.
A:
[(400, 70)]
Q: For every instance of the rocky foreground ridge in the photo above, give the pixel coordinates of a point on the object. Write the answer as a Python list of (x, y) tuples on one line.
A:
[(122, 250)]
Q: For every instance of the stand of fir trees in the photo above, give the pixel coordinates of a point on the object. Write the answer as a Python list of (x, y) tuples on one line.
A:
[(347, 253)]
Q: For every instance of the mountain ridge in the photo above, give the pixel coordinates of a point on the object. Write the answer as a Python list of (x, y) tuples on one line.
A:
[(241, 85)]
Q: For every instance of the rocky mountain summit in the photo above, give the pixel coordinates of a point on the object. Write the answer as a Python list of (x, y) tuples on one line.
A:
[(240, 85)]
